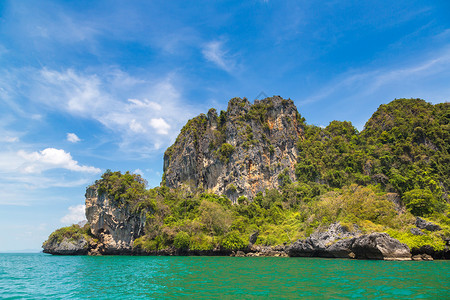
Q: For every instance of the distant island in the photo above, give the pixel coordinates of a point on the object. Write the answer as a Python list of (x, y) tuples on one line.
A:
[(257, 180)]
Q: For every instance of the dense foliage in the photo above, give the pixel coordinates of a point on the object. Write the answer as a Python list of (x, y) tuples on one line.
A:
[(126, 189), (404, 148), (379, 180), (71, 233)]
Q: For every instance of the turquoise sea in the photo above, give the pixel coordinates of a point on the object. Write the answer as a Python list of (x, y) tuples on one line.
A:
[(42, 276)]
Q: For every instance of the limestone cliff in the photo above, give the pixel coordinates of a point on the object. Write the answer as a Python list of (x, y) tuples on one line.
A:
[(245, 150), (114, 223)]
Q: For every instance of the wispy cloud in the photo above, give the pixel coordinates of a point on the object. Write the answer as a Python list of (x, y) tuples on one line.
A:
[(51, 158), (160, 125), (69, 91), (216, 53), (145, 122), (138, 171), (26, 175), (409, 80), (73, 138), (76, 214), (53, 23), (9, 139), (145, 104)]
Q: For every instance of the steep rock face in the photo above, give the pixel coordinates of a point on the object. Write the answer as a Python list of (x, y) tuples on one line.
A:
[(115, 225), (245, 150)]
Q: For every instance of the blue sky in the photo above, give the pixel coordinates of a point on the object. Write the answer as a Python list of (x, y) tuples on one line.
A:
[(87, 86)]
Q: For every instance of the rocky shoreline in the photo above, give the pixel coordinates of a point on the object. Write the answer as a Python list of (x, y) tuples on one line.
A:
[(339, 242), (336, 242), (112, 230)]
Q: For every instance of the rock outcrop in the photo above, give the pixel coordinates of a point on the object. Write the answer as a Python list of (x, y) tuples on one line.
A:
[(336, 242), (115, 225), (267, 251), (416, 231), (245, 150), (422, 257), (424, 224), (339, 242), (68, 246), (430, 251), (380, 246)]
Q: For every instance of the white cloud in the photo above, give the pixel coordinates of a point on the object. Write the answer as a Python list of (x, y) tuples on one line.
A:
[(145, 104), (73, 138), (413, 80), (51, 158), (25, 189), (214, 52), (160, 125), (104, 98), (9, 139), (135, 126), (74, 93), (138, 171), (52, 23), (76, 214)]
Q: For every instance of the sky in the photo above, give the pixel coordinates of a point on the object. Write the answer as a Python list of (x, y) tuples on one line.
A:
[(87, 86)]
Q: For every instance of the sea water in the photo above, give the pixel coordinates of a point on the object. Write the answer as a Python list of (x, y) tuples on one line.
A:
[(42, 276)]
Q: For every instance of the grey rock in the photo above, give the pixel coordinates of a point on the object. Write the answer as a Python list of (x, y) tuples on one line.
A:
[(416, 231), (67, 247), (301, 248), (424, 224), (380, 246), (336, 241), (115, 225), (259, 250), (421, 257), (417, 257), (253, 237), (429, 250), (341, 249), (279, 248), (263, 136)]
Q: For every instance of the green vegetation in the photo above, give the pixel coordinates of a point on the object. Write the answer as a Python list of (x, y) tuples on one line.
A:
[(234, 241), (258, 111), (342, 175), (71, 233), (126, 189), (181, 240), (225, 152), (404, 148)]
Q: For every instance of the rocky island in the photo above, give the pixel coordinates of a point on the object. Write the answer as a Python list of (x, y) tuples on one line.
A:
[(257, 180)]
